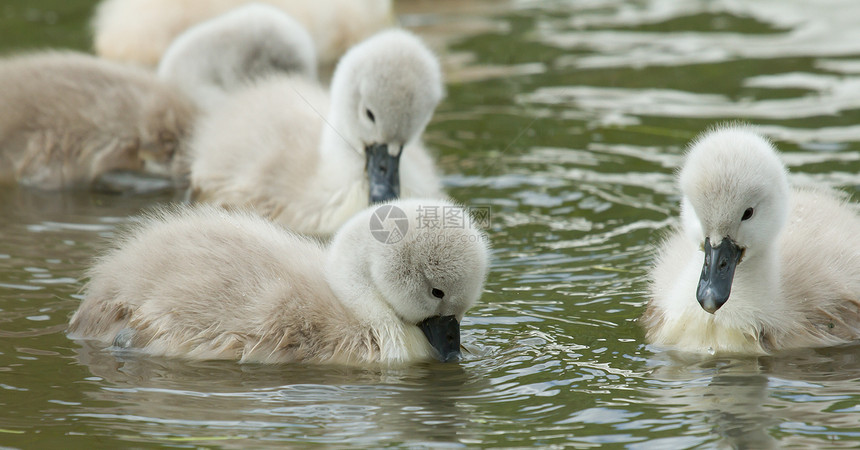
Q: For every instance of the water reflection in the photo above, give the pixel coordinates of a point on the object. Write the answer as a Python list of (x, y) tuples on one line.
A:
[(322, 404), (748, 401)]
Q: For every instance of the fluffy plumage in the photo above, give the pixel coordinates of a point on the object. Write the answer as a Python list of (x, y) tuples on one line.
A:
[(68, 118), (229, 51), (139, 31), (798, 280), (288, 150), (205, 283)]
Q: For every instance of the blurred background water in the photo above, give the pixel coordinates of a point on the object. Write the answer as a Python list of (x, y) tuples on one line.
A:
[(567, 118)]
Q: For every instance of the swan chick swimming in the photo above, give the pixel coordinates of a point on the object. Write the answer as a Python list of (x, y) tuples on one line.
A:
[(70, 119), (757, 266), (139, 31), (310, 161), (201, 282), (244, 44)]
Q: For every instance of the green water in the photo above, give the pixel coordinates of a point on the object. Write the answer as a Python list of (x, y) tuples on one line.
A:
[(568, 119)]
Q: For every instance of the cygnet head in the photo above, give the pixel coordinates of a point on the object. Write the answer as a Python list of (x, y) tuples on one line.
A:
[(384, 91), (162, 135), (244, 44), (390, 263), (735, 203)]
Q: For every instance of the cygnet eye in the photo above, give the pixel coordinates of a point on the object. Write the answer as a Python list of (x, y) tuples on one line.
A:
[(747, 214), (370, 115), (437, 293)]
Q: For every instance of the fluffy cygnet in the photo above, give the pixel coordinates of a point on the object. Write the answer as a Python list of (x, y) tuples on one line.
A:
[(310, 161), (757, 266), (205, 283), (231, 50), (67, 119), (139, 31)]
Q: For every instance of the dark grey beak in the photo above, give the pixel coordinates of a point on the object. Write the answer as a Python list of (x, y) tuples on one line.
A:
[(443, 333), (383, 173), (715, 284)]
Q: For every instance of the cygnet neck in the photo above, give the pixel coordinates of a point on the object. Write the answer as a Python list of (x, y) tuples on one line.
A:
[(348, 269)]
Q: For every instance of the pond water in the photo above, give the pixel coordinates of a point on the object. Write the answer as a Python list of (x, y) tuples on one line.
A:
[(568, 119)]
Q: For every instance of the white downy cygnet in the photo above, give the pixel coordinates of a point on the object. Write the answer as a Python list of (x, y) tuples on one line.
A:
[(288, 150), (201, 282), (757, 266), (139, 31), (70, 120), (247, 43), (74, 121)]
